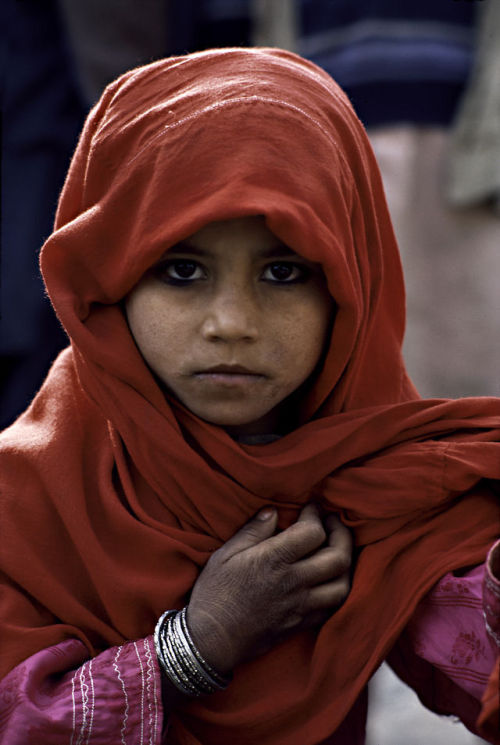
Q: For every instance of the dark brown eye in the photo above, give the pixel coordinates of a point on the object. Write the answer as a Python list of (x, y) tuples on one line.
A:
[(284, 272), (179, 271), (183, 269)]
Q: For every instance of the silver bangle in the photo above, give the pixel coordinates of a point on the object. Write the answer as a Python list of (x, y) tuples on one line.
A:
[(181, 660)]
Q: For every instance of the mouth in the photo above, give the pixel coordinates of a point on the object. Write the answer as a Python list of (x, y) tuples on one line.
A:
[(228, 370), (229, 375)]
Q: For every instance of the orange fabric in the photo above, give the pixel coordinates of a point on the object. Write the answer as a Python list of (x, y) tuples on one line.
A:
[(114, 496)]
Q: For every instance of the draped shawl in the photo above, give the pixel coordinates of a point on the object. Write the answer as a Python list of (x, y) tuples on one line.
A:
[(114, 495)]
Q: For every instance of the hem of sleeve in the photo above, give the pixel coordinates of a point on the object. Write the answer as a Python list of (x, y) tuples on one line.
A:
[(493, 566), (491, 594)]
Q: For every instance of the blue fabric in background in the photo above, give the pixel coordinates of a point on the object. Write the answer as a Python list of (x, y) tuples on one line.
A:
[(398, 61)]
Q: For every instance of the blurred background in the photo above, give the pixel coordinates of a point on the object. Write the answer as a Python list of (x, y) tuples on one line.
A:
[(423, 76)]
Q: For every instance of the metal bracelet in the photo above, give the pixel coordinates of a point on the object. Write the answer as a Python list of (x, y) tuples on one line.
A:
[(180, 659)]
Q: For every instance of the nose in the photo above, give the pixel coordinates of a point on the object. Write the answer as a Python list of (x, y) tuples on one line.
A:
[(231, 315)]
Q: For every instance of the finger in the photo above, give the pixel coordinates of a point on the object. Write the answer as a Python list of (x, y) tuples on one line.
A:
[(339, 536), (309, 512), (325, 565), (300, 539), (330, 595), (258, 529)]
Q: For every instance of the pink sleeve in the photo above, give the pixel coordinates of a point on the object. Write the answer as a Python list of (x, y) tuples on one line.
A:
[(59, 695), (448, 630), (451, 646)]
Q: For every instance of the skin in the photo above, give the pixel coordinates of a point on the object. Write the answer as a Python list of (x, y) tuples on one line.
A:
[(247, 300), (262, 585), (232, 294)]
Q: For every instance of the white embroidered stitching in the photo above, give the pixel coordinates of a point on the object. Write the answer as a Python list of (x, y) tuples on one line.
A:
[(74, 706), (92, 707), (125, 713), (148, 689), (142, 692), (151, 678), (156, 693), (85, 704)]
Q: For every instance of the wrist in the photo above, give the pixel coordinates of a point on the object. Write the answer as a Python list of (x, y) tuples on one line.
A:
[(212, 641), (180, 659)]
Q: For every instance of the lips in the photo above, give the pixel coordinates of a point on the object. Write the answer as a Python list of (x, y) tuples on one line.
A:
[(229, 377), (228, 370)]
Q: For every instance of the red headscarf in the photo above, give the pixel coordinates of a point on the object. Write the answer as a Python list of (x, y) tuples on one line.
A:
[(115, 496)]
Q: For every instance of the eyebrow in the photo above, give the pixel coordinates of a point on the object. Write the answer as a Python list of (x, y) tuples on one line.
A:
[(277, 251)]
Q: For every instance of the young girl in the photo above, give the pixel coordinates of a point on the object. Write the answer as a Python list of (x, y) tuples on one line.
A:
[(224, 264)]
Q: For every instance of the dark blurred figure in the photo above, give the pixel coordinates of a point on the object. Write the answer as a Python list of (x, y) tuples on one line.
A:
[(108, 37), (42, 114)]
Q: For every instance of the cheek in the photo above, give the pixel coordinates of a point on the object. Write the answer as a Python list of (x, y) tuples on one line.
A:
[(304, 335), (156, 332)]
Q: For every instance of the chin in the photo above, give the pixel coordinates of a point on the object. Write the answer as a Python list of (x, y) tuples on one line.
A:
[(239, 423)]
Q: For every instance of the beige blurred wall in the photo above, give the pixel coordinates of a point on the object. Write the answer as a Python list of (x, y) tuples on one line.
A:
[(451, 259)]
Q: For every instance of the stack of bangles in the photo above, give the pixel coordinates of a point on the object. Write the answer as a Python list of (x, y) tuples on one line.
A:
[(181, 660)]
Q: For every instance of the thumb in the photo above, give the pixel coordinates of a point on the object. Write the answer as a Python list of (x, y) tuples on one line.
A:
[(256, 530)]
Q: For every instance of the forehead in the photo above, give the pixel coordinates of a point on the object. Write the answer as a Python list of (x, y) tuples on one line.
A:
[(247, 234)]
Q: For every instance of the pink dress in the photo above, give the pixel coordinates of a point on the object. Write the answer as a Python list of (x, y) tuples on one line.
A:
[(59, 695)]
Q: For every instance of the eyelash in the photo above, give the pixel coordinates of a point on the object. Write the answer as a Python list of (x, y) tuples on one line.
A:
[(163, 268)]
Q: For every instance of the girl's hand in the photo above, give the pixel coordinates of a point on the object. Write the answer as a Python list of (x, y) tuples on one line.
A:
[(259, 587)]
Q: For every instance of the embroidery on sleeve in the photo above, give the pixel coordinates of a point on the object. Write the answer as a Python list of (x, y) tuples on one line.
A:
[(466, 647), (74, 707), (142, 692), (92, 705), (151, 692), (85, 702), (126, 709)]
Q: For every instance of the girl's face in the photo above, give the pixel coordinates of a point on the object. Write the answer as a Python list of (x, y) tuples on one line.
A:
[(232, 321)]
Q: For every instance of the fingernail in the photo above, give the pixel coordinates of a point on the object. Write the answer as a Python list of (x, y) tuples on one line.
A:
[(266, 513)]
